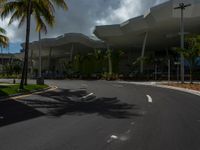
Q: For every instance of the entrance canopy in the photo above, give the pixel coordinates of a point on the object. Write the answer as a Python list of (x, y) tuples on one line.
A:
[(63, 45), (161, 23)]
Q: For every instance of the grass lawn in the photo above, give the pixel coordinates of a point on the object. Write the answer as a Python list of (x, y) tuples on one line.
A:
[(6, 90)]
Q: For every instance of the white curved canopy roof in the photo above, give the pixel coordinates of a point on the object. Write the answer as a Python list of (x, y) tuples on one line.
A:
[(162, 23), (68, 38), (62, 45)]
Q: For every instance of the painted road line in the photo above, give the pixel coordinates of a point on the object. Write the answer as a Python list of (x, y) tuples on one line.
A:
[(150, 100), (87, 96)]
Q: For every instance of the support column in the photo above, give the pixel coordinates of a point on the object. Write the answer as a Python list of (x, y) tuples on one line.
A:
[(72, 52), (109, 60), (156, 71), (168, 65), (31, 61), (143, 51), (169, 70), (49, 59)]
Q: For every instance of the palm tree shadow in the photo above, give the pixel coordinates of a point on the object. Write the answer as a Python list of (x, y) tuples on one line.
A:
[(66, 102), (12, 112)]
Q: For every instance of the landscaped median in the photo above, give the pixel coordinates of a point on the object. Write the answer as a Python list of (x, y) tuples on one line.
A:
[(193, 86), (7, 89), (186, 87)]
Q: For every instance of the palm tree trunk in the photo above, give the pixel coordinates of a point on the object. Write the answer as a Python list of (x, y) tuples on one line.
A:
[(27, 39), (25, 65)]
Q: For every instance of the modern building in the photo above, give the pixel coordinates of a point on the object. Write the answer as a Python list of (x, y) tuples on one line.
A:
[(7, 59), (157, 31), (57, 51)]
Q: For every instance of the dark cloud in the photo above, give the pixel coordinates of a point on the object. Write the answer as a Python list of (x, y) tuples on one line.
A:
[(83, 15)]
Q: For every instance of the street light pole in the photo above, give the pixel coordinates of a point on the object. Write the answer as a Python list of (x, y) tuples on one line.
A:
[(182, 7), (40, 79), (40, 60)]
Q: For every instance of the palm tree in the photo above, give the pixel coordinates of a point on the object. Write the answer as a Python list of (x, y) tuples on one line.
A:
[(3, 39), (22, 10)]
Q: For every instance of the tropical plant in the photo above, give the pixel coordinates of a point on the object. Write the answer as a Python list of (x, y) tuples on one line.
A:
[(3, 39), (191, 52), (12, 68), (100, 61), (22, 10)]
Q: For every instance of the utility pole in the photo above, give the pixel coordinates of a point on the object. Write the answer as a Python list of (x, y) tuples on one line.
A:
[(40, 79), (182, 7), (109, 60), (169, 66), (40, 60), (169, 71)]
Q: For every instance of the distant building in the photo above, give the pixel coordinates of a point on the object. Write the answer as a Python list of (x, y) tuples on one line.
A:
[(56, 51), (7, 59)]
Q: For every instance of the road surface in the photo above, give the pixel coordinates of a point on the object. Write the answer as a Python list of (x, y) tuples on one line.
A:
[(112, 116)]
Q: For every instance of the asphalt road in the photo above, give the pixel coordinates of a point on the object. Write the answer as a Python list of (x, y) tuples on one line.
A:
[(118, 117)]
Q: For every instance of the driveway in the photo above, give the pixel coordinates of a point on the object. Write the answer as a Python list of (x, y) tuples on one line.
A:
[(101, 115)]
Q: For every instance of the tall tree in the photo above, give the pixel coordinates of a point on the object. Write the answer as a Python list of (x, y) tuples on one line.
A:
[(191, 52), (3, 39), (22, 10)]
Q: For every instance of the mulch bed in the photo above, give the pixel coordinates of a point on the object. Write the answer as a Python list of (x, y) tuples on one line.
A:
[(194, 86)]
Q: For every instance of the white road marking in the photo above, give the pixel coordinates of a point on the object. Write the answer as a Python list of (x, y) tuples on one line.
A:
[(122, 137), (150, 100), (85, 97), (129, 131), (132, 123), (114, 137)]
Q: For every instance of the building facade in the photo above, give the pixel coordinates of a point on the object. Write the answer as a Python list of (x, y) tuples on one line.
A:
[(154, 33)]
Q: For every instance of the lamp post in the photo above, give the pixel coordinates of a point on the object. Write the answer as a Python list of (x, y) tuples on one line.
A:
[(182, 7), (40, 60), (40, 79), (177, 70)]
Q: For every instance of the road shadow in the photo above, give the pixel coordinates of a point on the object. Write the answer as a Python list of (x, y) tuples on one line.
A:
[(12, 112), (68, 102), (64, 102)]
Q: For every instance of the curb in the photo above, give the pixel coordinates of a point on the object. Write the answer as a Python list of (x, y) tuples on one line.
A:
[(154, 84), (190, 91), (14, 96)]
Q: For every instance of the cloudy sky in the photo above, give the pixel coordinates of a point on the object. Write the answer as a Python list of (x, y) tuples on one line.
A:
[(82, 17)]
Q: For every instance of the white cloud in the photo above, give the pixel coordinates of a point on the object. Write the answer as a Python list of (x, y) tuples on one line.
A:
[(127, 9), (83, 15)]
